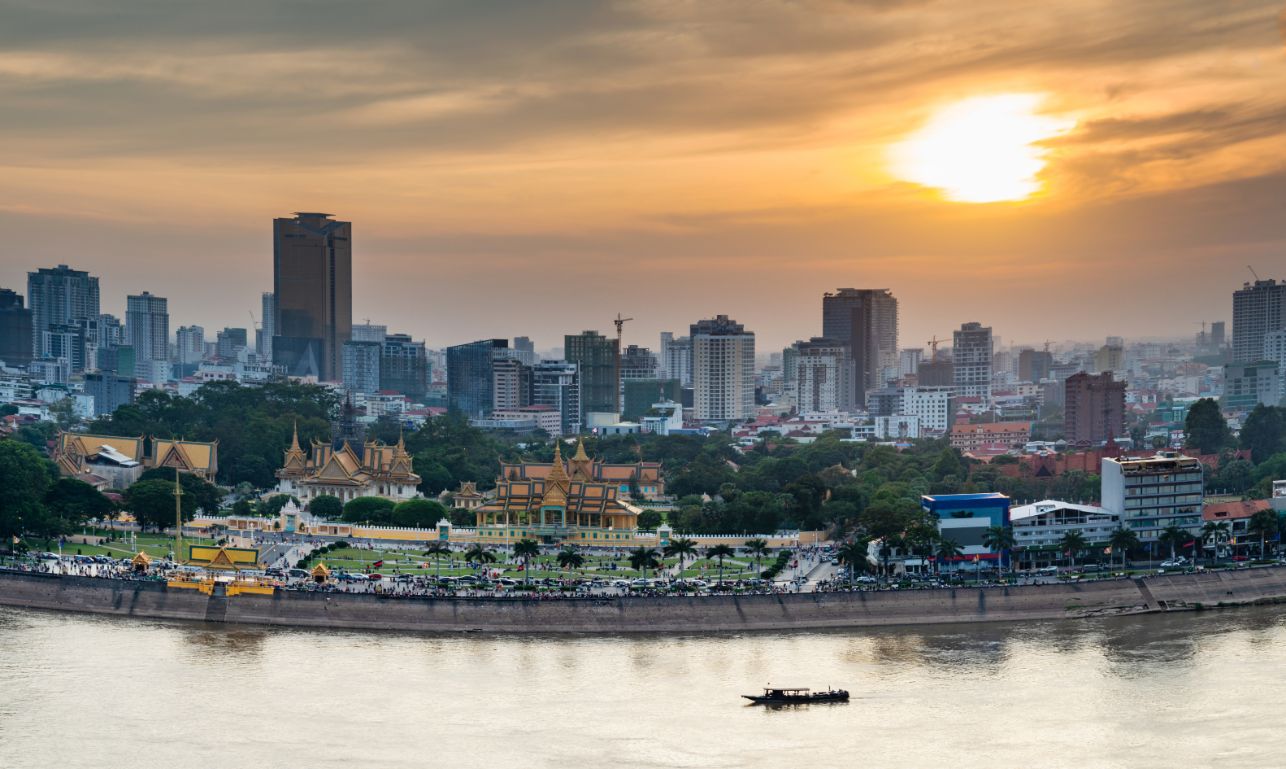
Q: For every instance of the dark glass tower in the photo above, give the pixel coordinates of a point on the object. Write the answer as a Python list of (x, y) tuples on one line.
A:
[(313, 286)]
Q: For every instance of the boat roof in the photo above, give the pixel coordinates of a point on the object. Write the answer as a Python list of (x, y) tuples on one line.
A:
[(787, 689)]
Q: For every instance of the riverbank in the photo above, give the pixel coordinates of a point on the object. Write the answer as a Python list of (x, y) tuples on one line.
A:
[(153, 599)]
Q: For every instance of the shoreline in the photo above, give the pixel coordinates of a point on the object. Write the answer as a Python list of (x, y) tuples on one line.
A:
[(624, 615)]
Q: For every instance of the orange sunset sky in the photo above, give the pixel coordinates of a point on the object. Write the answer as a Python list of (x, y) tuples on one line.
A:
[(535, 167)]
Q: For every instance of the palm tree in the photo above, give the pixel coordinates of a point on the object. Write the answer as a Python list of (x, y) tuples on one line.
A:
[(720, 552), (436, 550), (1073, 544), (947, 550), (644, 558), (526, 549), (1214, 533), (479, 555), (568, 558), (1124, 540), (757, 548), (1174, 536), (1263, 523), (683, 549), (853, 555), (1001, 540)]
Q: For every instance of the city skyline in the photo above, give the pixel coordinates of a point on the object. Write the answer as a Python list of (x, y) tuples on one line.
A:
[(603, 146)]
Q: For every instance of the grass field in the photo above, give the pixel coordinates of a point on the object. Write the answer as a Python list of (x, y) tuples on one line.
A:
[(155, 545)]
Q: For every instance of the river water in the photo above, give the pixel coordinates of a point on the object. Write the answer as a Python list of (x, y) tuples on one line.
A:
[(1193, 690)]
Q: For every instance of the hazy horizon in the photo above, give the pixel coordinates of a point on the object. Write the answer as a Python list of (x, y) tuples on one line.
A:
[(536, 168)]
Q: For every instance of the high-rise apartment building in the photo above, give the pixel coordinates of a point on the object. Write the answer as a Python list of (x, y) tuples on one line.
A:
[(230, 343), (15, 330), (971, 361), (470, 376), (867, 321), (110, 391), (676, 358), (191, 344), (821, 376), (595, 355), (313, 286), (147, 329), (556, 384), (636, 363), (404, 366), (1257, 309), (723, 370), (361, 366), (909, 361), (1094, 409), (59, 296), (511, 384), (933, 406)]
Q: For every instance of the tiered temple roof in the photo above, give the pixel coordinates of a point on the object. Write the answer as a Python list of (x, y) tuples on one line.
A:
[(561, 493)]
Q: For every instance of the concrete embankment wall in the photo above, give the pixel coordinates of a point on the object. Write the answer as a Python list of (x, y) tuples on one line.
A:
[(615, 615)]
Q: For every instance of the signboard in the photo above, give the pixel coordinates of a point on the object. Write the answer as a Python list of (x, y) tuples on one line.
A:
[(223, 557)]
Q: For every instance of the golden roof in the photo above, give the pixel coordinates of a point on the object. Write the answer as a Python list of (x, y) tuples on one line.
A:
[(320, 570), (85, 444), (557, 482)]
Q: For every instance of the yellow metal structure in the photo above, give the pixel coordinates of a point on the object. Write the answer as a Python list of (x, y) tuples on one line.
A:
[(223, 557)]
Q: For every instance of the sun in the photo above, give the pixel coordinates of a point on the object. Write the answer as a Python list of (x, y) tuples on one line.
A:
[(980, 150)]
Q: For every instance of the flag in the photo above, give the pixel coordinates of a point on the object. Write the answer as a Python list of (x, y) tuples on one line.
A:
[(1107, 551), (1190, 544), (377, 564)]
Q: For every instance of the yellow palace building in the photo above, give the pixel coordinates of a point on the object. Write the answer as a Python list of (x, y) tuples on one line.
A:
[(559, 501)]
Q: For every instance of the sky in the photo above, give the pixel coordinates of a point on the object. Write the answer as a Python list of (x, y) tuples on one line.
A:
[(535, 167)]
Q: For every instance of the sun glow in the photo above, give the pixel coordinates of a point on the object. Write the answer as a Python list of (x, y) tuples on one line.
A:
[(981, 150)]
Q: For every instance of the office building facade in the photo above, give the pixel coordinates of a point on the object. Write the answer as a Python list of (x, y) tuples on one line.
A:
[(972, 360), (867, 321), (59, 296), (556, 384), (1257, 309), (1153, 493), (470, 376), (15, 330), (361, 366), (596, 357), (821, 376)]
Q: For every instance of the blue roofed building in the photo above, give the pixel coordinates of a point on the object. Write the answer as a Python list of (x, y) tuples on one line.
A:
[(965, 519)]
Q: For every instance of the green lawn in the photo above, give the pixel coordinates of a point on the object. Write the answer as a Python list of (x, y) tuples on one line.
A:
[(155, 545)]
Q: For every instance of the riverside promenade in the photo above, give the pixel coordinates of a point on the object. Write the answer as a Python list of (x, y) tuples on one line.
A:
[(628, 614)]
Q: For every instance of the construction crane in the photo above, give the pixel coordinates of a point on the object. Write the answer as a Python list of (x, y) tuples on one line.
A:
[(1047, 343), (620, 327), (933, 347), (254, 324), (1252, 272)]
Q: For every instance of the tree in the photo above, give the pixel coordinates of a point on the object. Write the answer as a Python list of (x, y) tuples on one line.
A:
[(326, 506), (1263, 523), (477, 554), (152, 504), (852, 554), (947, 550), (205, 495), (570, 559), (758, 548), (418, 513), (719, 552), (681, 548), (436, 550), (375, 510), (1001, 540), (526, 549), (644, 558), (1072, 544), (1205, 428), (271, 506), (73, 502), (1264, 432), (1174, 537), (1123, 540), (649, 520), (1214, 534), (25, 478)]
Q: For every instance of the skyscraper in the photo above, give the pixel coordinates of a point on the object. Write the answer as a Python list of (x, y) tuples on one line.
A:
[(267, 328), (147, 329), (1257, 309), (230, 342), (723, 370), (595, 356), (404, 366), (676, 358), (1034, 365), (524, 350), (361, 367), (972, 352), (511, 384), (867, 321), (313, 286), (191, 344), (471, 375), (59, 296), (15, 329)]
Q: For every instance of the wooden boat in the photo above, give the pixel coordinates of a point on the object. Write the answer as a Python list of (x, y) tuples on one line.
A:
[(796, 695)]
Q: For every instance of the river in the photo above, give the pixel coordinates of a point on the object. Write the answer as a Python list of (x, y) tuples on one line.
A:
[(1191, 690)]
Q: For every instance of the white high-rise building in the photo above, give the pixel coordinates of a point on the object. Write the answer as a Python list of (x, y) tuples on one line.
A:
[(675, 360), (267, 329), (931, 404), (821, 379), (723, 370), (191, 344), (972, 358)]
